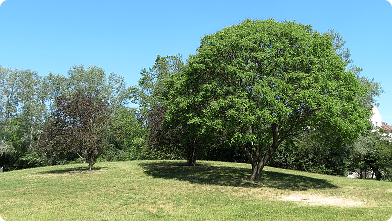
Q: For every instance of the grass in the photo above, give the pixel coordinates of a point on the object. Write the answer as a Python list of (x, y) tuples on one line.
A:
[(170, 190)]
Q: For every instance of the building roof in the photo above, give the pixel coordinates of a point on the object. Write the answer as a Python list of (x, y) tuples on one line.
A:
[(386, 127)]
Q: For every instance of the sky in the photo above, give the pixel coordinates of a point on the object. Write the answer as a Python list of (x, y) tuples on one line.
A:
[(125, 36)]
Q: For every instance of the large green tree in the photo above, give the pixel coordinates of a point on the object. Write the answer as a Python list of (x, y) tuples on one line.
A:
[(259, 83)]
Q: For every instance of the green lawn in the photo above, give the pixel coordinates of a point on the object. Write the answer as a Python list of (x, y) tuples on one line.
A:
[(169, 190)]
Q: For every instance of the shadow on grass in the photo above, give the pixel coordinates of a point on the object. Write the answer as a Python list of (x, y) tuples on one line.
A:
[(232, 176), (71, 170)]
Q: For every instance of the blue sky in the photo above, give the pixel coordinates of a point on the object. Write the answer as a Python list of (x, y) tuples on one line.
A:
[(125, 36)]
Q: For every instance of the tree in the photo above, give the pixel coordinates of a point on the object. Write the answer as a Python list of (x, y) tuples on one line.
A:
[(374, 88), (9, 99), (261, 82), (305, 153), (128, 136), (92, 80), (79, 125), (21, 114), (326, 155), (150, 96), (27, 100), (372, 151), (151, 87)]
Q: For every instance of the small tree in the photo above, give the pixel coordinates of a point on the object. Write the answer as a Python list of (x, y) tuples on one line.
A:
[(79, 125)]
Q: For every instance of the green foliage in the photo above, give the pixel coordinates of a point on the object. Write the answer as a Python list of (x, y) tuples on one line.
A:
[(93, 80), (28, 100), (21, 111), (373, 151), (151, 86), (374, 88), (128, 136), (11, 159), (329, 155), (15, 152), (305, 153), (163, 142), (261, 82)]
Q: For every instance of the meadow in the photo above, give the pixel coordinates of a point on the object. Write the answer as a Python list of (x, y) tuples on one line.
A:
[(170, 190)]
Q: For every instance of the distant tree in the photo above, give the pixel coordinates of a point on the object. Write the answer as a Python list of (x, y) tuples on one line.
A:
[(151, 87), (150, 95), (372, 151), (93, 80), (79, 125), (261, 82), (328, 155), (27, 100), (22, 112), (128, 136)]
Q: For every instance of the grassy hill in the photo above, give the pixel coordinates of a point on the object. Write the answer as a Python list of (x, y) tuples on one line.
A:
[(169, 190)]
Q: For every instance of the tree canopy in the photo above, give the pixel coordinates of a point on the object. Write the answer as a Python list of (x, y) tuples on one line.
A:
[(261, 82), (79, 125)]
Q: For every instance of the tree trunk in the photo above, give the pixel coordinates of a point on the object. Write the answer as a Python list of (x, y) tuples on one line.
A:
[(378, 174), (257, 164), (365, 173), (192, 156), (90, 164), (257, 167), (31, 136), (192, 152)]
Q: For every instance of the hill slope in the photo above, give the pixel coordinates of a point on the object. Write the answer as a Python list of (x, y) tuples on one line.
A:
[(169, 190)]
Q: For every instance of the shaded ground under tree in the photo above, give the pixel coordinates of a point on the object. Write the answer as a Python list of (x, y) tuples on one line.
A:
[(204, 173)]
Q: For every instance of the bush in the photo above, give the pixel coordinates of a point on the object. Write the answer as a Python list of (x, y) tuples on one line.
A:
[(308, 154)]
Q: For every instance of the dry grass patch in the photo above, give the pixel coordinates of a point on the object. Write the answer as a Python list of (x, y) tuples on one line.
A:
[(320, 200), (256, 193), (306, 197)]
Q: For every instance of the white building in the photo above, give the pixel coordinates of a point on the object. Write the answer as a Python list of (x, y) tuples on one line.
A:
[(376, 120), (376, 117)]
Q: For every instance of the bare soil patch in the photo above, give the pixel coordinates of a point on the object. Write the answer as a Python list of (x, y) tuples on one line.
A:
[(320, 200)]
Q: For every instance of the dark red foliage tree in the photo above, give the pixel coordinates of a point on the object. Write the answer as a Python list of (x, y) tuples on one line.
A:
[(79, 125), (163, 140)]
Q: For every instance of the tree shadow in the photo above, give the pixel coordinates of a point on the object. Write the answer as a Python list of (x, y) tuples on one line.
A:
[(232, 176), (80, 169)]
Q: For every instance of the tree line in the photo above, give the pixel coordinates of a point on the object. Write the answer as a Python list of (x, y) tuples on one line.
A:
[(31, 104), (261, 92)]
